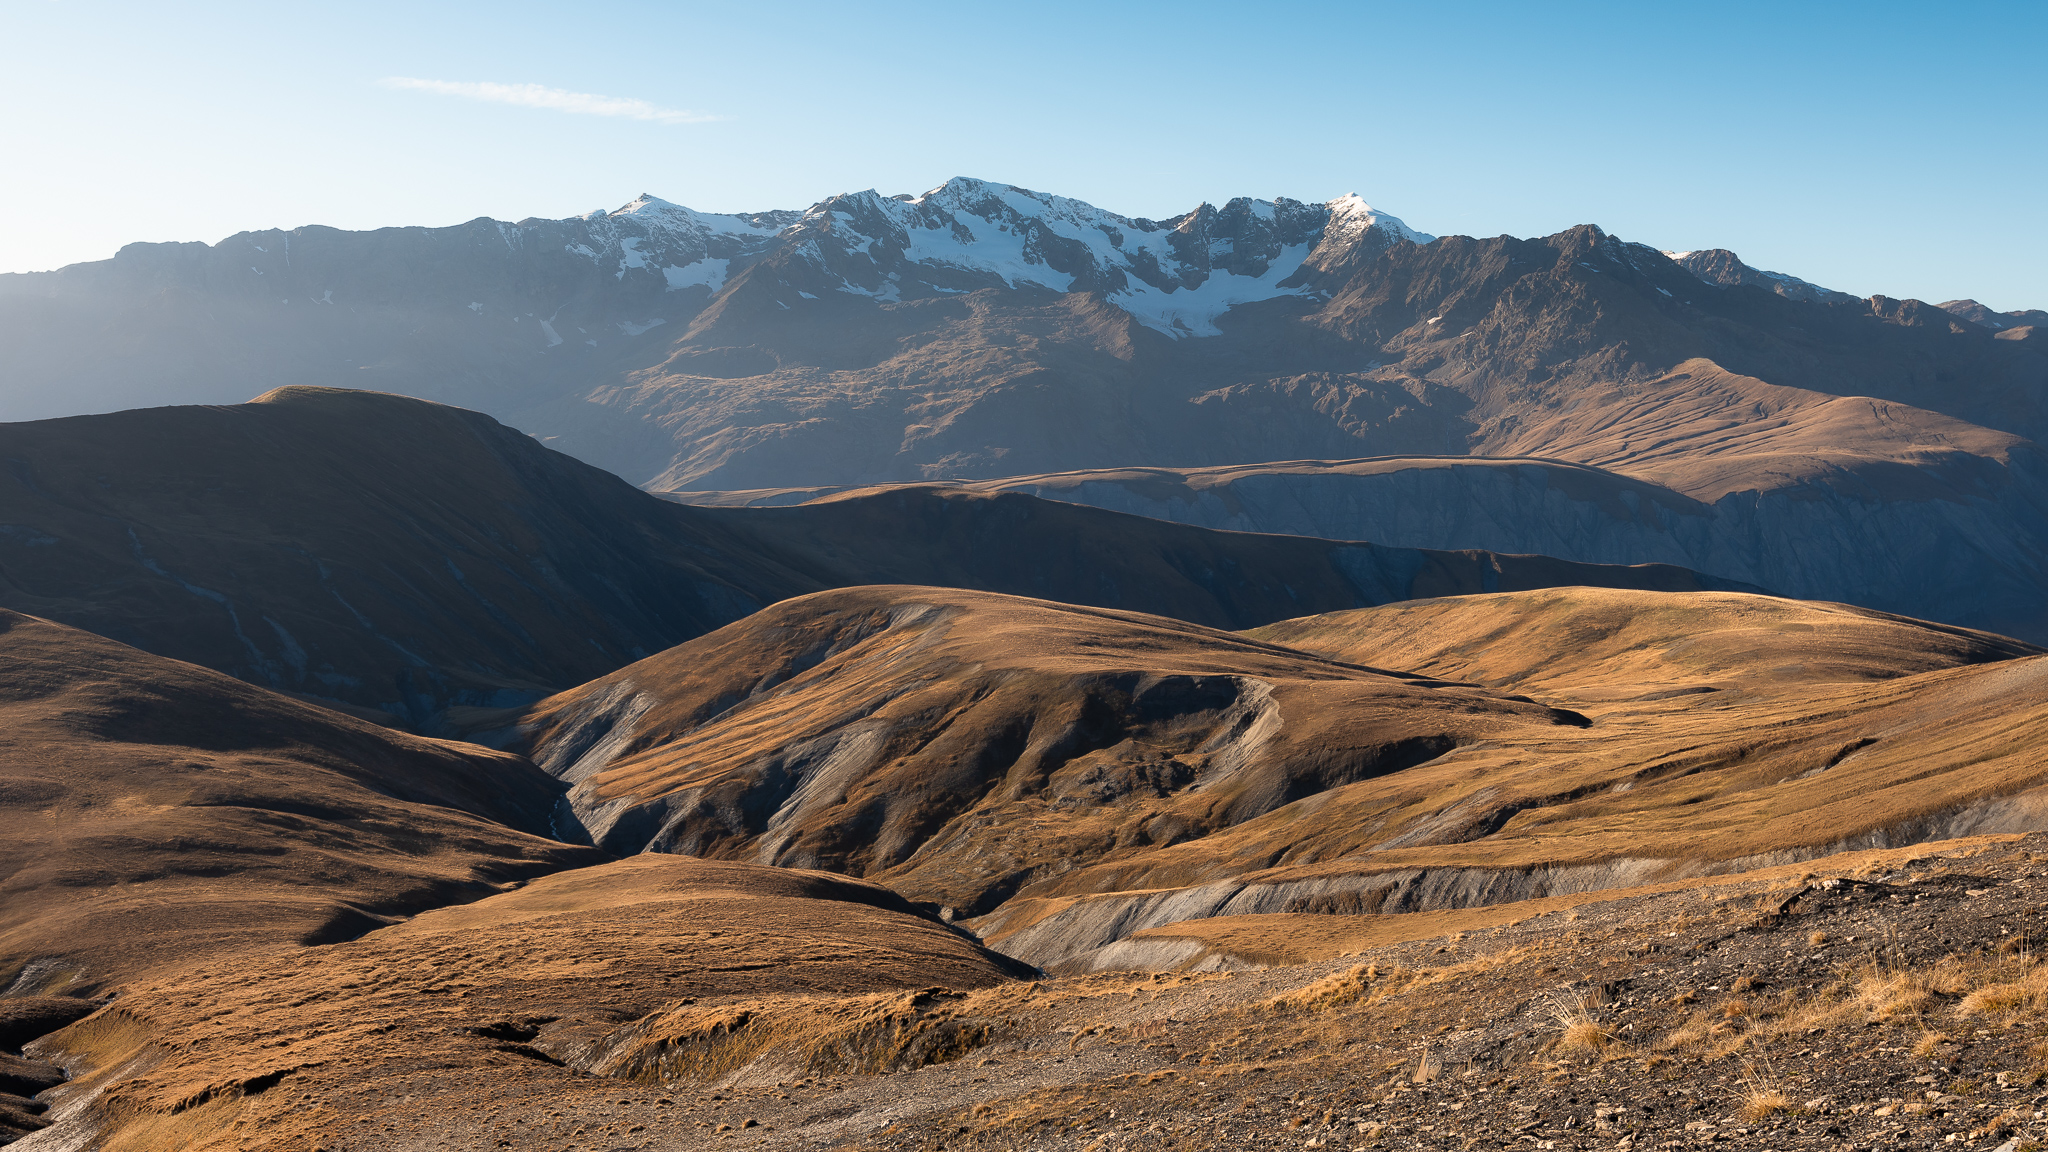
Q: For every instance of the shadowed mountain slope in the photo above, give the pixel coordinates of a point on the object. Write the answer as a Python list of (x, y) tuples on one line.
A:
[(1811, 495), (156, 812), (1021, 545), (407, 557), (372, 549)]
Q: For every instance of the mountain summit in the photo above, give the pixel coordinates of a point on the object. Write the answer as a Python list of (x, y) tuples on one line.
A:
[(1176, 276)]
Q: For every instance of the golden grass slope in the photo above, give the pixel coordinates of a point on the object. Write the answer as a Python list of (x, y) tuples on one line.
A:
[(1071, 776), (1712, 748), (1704, 431), (959, 745), (1593, 644), (153, 811), (443, 1018)]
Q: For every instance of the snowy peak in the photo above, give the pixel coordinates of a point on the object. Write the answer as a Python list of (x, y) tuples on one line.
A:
[(686, 248), (1351, 217), (654, 212), (1177, 276)]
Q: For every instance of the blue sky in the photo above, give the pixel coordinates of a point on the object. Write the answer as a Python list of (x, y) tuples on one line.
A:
[(1869, 147)]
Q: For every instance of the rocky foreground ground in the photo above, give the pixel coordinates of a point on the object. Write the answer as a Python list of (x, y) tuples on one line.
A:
[(1876, 1000), (1905, 1006)]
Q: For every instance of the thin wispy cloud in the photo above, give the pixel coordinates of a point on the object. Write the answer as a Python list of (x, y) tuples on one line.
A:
[(558, 99)]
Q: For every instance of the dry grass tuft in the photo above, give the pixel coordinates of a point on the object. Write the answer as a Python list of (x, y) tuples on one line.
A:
[(1332, 991), (1760, 1103), (1887, 993), (1760, 1095), (1578, 1031), (1929, 1043), (1692, 1032), (1995, 998), (1583, 1036)]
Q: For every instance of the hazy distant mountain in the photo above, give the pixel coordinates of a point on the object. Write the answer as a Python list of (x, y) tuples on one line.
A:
[(427, 311), (1879, 451), (978, 329)]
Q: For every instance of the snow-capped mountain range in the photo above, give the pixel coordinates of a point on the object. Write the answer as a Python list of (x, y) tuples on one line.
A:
[(688, 248), (1176, 276), (588, 284), (983, 330)]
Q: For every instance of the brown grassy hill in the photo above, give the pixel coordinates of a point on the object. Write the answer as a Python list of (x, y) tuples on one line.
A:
[(407, 557), (1705, 432), (1074, 776), (960, 745), (1727, 732), (1589, 644), (274, 1048), (152, 811)]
